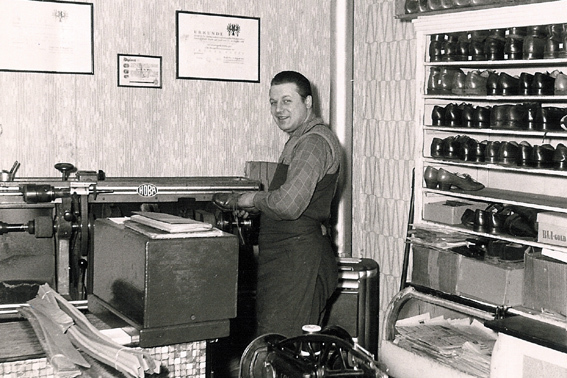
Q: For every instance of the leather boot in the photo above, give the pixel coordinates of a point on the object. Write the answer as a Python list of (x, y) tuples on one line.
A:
[(434, 81), (453, 115), (560, 157), (436, 47), (499, 116), (476, 45), (508, 153), (494, 44), (543, 84), (476, 82), (438, 115), (467, 117), (525, 84), (513, 49), (549, 118), (526, 154), (554, 39), (436, 149), (542, 156), (491, 151), (492, 84), (450, 47), (508, 85), (458, 84), (481, 117), (560, 85), (534, 42)]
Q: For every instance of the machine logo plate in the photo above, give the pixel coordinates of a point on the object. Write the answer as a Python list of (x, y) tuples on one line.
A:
[(147, 190)]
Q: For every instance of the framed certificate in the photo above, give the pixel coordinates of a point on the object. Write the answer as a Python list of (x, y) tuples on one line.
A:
[(46, 36), (218, 47), (139, 71)]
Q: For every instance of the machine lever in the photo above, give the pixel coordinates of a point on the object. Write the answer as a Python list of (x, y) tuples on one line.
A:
[(41, 227)]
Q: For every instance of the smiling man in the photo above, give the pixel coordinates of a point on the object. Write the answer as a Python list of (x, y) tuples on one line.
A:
[(297, 269)]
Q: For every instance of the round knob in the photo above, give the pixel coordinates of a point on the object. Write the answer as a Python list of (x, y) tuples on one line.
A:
[(65, 169)]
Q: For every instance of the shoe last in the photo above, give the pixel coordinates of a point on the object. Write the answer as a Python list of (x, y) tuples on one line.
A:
[(560, 85), (430, 177), (560, 157)]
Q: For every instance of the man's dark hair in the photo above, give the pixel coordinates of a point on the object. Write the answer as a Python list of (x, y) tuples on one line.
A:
[(302, 83)]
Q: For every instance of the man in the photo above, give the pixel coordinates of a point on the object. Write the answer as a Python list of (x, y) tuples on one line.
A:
[(297, 269)]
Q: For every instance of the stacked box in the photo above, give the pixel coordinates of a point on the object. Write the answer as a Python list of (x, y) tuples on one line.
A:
[(545, 284), (499, 283), (552, 228), (436, 268)]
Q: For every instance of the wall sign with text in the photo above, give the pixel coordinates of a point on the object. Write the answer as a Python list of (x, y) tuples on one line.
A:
[(218, 47), (139, 71)]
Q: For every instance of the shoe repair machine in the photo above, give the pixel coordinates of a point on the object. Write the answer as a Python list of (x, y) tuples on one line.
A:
[(60, 215)]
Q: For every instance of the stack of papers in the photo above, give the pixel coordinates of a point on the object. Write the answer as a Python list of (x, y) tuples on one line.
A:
[(169, 223), (459, 343)]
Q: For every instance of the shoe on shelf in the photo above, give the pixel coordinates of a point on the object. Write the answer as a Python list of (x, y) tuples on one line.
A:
[(525, 84), (430, 177), (526, 154), (508, 153), (465, 182), (481, 117), (560, 85), (560, 157), (508, 85), (475, 82), (542, 156), (491, 151), (543, 84)]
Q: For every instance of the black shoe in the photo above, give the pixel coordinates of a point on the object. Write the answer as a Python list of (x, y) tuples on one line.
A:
[(499, 116), (534, 42), (526, 154), (436, 149), (525, 84), (491, 151), (436, 47), (508, 153), (507, 85), (468, 112), (492, 84), (476, 83), (543, 84), (494, 44), (542, 156), (453, 115), (481, 117), (549, 118), (560, 157), (438, 115)]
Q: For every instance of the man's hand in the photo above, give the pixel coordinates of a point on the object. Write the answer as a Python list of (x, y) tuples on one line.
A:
[(241, 204)]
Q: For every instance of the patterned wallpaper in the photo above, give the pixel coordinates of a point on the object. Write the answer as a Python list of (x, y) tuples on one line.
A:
[(193, 128), (186, 128), (383, 136)]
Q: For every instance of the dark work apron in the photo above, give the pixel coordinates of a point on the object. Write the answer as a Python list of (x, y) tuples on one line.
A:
[(297, 267)]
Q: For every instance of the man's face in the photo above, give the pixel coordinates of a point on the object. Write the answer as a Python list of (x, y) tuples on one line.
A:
[(287, 107)]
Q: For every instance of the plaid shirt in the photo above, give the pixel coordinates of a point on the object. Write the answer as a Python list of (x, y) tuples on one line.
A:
[(309, 160)]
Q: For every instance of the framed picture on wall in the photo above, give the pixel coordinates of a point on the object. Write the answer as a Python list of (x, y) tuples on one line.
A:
[(46, 36), (141, 71), (217, 47)]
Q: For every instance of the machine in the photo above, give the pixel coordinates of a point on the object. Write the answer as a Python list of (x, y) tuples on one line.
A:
[(47, 224)]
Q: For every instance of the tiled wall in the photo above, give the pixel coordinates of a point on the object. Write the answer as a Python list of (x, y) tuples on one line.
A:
[(383, 138)]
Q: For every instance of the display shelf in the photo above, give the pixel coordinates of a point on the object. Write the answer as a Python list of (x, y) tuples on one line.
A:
[(546, 99), (487, 131), (497, 167), (491, 195), (515, 63)]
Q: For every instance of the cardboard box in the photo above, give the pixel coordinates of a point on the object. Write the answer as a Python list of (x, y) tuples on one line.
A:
[(448, 212), (552, 228), (435, 268), (545, 283), (499, 283)]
